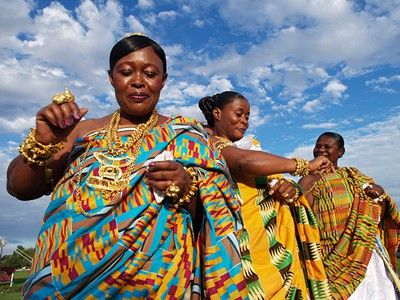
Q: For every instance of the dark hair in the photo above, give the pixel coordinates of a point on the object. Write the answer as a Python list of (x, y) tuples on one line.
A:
[(207, 104), (133, 43), (339, 139)]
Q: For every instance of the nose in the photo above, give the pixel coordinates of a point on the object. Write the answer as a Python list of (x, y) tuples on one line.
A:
[(136, 80), (245, 121)]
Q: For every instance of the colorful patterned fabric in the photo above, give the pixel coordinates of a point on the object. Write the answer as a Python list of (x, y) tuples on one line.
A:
[(280, 246), (129, 246), (349, 223)]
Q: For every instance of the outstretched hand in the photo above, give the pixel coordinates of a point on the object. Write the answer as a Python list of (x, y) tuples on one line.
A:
[(321, 165)]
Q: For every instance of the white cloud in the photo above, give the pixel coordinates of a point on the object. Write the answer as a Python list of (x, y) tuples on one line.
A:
[(327, 125), (382, 83), (135, 25), (16, 125), (312, 106), (145, 4), (167, 15), (335, 88), (199, 23)]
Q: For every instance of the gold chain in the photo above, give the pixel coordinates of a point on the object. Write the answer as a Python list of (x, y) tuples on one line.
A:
[(115, 147)]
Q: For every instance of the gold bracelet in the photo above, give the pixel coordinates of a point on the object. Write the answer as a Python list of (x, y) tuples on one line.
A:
[(193, 188), (302, 167), (36, 153)]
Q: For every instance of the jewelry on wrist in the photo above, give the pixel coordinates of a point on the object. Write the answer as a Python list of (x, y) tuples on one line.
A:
[(36, 153), (302, 167), (193, 188)]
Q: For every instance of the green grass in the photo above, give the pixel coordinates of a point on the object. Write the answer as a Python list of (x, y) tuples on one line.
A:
[(14, 292)]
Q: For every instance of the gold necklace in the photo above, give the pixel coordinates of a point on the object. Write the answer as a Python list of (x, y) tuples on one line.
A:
[(222, 142), (111, 179)]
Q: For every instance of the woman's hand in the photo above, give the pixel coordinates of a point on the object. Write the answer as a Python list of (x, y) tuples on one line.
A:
[(321, 165), (55, 121), (283, 189), (162, 174), (373, 190)]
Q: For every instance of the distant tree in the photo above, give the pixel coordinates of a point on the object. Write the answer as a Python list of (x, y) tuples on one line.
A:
[(20, 258)]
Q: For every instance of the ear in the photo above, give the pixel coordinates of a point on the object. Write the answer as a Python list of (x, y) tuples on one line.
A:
[(110, 78), (341, 152), (164, 80), (216, 114)]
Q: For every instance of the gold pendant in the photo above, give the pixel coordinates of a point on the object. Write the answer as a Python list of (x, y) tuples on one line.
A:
[(110, 178)]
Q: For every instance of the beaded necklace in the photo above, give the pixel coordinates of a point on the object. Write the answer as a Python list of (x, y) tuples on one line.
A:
[(110, 178)]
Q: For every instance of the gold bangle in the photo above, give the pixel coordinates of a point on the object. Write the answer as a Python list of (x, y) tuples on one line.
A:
[(302, 167), (36, 153), (193, 188)]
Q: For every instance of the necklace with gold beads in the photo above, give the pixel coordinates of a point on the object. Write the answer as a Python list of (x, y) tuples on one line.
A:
[(110, 178)]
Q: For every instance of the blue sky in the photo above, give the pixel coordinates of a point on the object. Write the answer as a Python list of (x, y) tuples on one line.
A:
[(305, 66)]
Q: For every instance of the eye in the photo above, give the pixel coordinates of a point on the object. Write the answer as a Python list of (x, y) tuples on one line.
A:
[(125, 72), (151, 74)]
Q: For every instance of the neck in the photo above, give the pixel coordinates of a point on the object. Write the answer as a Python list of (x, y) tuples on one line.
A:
[(135, 120)]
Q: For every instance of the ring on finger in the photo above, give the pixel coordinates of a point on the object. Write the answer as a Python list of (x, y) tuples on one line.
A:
[(64, 97)]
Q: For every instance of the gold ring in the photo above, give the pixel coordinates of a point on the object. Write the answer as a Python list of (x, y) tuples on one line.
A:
[(173, 191), (64, 97)]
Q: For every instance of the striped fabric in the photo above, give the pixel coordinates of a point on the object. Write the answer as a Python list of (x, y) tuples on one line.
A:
[(280, 247), (131, 247), (349, 222)]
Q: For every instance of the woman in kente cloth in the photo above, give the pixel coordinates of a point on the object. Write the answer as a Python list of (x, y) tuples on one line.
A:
[(359, 227), (140, 205), (280, 242)]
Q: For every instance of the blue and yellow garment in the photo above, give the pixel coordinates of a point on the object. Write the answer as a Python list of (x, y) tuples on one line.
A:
[(129, 246)]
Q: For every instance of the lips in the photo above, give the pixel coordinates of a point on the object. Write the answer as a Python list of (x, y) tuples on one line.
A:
[(137, 97)]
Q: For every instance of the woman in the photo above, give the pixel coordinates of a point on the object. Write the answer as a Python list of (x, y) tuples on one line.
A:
[(277, 226), (126, 220), (359, 227)]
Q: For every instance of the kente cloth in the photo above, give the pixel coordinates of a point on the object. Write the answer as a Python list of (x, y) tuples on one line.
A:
[(280, 246), (349, 222), (126, 245), (279, 242)]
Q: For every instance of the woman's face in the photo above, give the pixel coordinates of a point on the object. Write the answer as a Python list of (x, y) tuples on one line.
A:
[(232, 121), (138, 79), (329, 147)]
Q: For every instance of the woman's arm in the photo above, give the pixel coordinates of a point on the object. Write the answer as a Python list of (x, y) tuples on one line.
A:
[(30, 177), (259, 163)]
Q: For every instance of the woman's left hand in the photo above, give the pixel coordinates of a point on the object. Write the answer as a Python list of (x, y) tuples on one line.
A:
[(162, 174)]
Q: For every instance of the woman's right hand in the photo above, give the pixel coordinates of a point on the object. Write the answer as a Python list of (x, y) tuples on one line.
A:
[(283, 189), (54, 122), (321, 165)]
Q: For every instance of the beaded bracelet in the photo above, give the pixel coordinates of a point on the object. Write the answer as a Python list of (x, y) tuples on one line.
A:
[(36, 153), (302, 167), (193, 188)]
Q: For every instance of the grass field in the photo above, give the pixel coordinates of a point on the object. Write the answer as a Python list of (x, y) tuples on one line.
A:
[(14, 292)]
